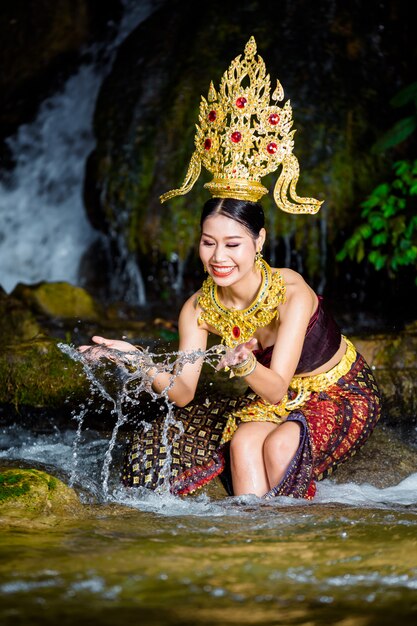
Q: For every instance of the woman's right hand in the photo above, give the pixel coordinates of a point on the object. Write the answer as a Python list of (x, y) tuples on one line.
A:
[(103, 346)]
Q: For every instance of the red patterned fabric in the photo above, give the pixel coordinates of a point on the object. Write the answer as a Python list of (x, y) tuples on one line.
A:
[(334, 424)]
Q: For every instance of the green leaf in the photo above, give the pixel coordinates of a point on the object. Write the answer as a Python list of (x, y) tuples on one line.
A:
[(406, 95), (365, 231), (379, 239), (377, 221), (377, 259), (398, 133)]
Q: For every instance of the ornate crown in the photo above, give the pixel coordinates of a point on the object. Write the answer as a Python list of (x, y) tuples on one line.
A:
[(242, 137)]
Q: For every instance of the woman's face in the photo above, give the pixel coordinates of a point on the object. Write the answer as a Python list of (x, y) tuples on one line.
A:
[(227, 249)]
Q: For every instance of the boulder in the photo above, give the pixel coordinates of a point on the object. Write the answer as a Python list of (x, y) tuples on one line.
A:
[(58, 300), (34, 495)]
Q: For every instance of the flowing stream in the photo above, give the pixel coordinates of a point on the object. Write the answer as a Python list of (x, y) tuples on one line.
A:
[(349, 557)]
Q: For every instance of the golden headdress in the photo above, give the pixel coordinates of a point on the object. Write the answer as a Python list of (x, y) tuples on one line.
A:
[(242, 137)]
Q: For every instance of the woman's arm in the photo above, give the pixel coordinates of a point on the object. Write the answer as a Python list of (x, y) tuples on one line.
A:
[(192, 338)]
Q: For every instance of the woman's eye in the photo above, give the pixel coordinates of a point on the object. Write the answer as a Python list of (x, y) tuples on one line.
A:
[(232, 245), (207, 243)]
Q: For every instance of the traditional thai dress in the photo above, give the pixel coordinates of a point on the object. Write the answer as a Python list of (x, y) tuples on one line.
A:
[(336, 411)]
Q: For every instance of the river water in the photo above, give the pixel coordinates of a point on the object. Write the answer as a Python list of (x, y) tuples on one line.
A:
[(347, 558)]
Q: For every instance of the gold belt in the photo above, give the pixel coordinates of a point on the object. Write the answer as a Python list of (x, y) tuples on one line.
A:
[(261, 411)]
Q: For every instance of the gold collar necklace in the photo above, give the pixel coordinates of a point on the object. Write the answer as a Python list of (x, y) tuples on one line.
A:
[(237, 326)]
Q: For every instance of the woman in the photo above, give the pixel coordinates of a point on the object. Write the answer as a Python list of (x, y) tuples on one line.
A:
[(312, 401)]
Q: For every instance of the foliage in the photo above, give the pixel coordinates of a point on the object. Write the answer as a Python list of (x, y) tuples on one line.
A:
[(387, 237), (404, 127)]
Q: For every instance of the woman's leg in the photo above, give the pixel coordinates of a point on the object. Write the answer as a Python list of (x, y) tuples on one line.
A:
[(279, 448), (246, 458)]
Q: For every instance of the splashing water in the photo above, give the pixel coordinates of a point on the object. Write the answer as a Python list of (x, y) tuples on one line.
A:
[(120, 378)]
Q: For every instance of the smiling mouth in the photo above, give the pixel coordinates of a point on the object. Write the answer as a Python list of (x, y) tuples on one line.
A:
[(222, 271)]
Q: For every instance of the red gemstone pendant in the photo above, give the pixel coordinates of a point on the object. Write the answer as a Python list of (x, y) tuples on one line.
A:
[(272, 147), (273, 119), (241, 102), (207, 144), (236, 332), (236, 136), (212, 116)]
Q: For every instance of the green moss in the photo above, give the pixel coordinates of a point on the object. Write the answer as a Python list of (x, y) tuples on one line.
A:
[(59, 300), (12, 486), (38, 374), (29, 492)]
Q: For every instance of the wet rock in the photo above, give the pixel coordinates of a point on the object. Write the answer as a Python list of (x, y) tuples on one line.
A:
[(58, 300), (37, 374), (34, 494), (17, 322), (384, 461), (393, 358)]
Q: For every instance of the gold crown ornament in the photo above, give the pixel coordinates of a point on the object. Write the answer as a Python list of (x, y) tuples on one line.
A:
[(242, 136)]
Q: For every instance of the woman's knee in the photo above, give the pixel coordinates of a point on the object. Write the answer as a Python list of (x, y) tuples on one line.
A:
[(241, 442), (249, 439), (282, 443)]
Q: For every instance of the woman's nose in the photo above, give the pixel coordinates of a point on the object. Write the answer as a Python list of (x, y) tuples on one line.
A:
[(218, 255)]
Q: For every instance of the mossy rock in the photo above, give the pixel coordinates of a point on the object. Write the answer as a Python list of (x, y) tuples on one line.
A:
[(59, 300), (38, 374), (31, 493), (17, 322)]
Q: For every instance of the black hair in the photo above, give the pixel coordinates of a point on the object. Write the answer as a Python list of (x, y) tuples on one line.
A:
[(249, 214)]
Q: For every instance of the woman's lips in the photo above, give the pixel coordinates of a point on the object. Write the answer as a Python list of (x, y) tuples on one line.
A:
[(222, 271)]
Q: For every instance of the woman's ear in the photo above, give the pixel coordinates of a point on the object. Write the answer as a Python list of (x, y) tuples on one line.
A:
[(261, 239)]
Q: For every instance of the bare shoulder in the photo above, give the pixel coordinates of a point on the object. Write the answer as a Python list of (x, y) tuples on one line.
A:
[(191, 308), (298, 290), (292, 278)]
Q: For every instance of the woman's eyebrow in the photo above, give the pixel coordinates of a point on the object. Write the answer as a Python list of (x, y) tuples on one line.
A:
[(228, 237)]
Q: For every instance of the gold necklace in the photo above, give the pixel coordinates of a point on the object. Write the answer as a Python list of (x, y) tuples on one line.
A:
[(237, 326)]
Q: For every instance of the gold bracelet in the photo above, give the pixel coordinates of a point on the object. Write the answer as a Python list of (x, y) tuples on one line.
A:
[(245, 368)]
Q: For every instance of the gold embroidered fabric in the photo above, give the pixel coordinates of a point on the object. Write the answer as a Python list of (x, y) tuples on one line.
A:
[(261, 411), (237, 326)]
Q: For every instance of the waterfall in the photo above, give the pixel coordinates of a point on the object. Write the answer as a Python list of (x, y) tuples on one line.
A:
[(44, 230)]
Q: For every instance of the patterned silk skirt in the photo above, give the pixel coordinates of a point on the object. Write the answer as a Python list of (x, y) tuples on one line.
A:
[(188, 449)]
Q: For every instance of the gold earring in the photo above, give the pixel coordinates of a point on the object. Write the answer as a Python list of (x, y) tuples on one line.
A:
[(205, 268), (258, 259)]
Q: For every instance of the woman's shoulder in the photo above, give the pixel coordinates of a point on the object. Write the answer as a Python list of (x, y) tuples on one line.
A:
[(289, 276), (191, 305), (297, 290)]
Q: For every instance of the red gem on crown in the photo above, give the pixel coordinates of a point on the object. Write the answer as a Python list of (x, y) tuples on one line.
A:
[(212, 116), (207, 144), (272, 147), (236, 332), (241, 102), (273, 119), (236, 136)]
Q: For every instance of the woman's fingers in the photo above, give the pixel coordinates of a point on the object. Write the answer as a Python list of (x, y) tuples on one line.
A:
[(252, 343), (238, 354)]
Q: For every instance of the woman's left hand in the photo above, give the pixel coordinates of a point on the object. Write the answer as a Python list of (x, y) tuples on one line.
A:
[(237, 355)]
